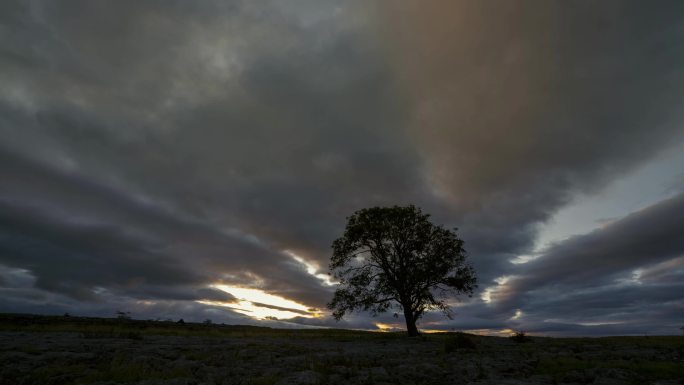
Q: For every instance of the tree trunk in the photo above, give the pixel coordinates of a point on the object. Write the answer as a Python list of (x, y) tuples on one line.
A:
[(410, 322)]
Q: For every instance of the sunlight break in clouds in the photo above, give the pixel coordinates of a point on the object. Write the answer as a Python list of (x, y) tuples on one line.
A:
[(487, 292), (386, 327), (259, 304), (311, 269)]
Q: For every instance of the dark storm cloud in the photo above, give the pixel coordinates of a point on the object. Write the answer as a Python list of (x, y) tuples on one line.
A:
[(87, 236), (151, 149), (212, 169), (628, 273), (642, 239), (34, 301), (520, 104)]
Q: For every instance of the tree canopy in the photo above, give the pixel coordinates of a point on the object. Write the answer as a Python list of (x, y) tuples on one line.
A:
[(395, 258)]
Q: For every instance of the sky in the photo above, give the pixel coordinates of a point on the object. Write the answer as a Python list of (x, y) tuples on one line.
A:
[(195, 160)]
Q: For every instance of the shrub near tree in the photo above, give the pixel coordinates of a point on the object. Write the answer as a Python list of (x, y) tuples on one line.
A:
[(395, 258)]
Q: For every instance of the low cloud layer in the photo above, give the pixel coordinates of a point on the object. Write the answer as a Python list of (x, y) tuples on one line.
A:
[(151, 151), (626, 275)]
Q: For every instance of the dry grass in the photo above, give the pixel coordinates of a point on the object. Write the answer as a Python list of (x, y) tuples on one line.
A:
[(55, 350)]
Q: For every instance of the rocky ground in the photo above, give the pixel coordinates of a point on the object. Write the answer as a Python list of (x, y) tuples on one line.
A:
[(371, 358)]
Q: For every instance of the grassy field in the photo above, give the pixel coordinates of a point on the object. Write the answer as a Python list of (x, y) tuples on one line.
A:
[(122, 327), (76, 350)]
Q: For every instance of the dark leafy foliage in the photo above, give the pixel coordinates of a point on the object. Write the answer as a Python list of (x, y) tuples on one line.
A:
[(394, 257), (520, 337)]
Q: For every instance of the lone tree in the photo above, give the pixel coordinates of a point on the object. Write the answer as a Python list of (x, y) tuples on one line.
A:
[(394, 257)]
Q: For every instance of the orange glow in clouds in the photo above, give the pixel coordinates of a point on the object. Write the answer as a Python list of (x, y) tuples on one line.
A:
[(257, 304)]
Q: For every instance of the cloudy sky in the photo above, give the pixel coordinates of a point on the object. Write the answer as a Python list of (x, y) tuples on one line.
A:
[(195, 160)]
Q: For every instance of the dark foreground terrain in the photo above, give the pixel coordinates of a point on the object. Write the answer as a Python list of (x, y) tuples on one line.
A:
[(70, 350)]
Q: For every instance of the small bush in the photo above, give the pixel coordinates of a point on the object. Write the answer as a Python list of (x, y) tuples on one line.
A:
[(520, 337), (458, 341)]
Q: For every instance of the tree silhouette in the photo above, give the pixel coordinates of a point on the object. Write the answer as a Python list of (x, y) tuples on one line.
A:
[(123, 315), (394, 257)]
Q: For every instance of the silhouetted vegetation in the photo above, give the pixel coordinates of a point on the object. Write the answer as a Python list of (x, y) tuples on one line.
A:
[(394, 257), (123, 315), (520, 337), (94, 327)]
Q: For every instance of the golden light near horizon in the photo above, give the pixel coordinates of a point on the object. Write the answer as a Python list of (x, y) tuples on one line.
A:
[(258, 312), (259, 304), (383, 327)]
